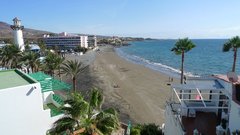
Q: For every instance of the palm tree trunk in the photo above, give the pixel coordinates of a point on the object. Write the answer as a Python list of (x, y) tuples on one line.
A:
[(59, 73), (234, 59), (52, 73), (74, 84), (182, 67), (27, 70), (32, 69)]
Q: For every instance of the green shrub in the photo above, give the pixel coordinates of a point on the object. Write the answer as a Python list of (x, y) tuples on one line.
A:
[(151, 129), (136, 130), (80, 49), (146, 129)]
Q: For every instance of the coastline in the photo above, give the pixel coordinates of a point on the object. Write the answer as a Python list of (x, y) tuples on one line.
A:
[(163, 69), (137, 92)]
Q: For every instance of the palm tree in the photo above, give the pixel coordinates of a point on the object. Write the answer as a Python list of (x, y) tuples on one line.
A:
[(10, 56), (43, 47), (51, 63), (86, 116), (234, 44), (59, 62), (182, 46), (73, 68), (31, 60), (74, 108)]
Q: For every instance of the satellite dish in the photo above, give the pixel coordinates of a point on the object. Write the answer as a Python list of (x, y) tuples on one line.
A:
[(232, 77)]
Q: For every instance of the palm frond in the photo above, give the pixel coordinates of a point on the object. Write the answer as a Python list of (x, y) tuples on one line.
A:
[(183, 45), (76, 106), (96, 99), (231, 44), (63, 124)]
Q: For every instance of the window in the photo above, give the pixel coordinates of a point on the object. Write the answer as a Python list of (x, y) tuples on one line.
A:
[(237, 94)]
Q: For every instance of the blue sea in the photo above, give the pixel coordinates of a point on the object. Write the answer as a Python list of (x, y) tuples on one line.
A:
[(205, 59)]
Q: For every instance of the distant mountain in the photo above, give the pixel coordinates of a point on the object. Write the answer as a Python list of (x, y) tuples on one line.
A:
[(6, 32)]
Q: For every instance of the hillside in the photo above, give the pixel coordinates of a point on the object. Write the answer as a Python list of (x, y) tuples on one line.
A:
[(6, 32)]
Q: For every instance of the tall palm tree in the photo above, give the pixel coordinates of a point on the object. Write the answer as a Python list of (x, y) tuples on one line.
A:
[(234, 44), (59, 62), (73, 68), (181, 47), (80, 114)]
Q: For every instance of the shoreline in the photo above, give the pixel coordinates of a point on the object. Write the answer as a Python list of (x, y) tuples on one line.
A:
[(135, 91), (161, 68)]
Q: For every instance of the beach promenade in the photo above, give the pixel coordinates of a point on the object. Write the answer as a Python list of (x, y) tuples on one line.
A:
[(138, 93)]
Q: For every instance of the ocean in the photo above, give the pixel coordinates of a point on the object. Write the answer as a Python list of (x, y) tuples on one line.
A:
[(206, 58)]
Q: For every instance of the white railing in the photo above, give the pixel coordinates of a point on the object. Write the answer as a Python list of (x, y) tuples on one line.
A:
[(176, 118)]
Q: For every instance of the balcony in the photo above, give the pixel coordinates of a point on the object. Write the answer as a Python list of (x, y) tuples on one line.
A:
[(198, 106)]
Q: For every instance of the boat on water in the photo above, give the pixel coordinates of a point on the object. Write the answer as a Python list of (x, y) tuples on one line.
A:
[(203, 105)]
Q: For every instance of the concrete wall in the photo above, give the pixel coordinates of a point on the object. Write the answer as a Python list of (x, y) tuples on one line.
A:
[(234, 119), (172, 125), (22, 111)]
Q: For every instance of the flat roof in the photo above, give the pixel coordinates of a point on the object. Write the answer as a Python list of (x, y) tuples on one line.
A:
[(14, 78), (225, 78), (201, 84)]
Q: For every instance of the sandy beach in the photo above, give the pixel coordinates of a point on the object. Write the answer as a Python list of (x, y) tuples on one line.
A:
[(138, 93)]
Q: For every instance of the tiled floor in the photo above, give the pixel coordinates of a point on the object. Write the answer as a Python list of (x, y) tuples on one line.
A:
[(205, 123)]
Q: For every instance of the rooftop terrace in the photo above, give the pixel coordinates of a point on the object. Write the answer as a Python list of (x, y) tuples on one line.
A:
[(199, 104), (14, 78)]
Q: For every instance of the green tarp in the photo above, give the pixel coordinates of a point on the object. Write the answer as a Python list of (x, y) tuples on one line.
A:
[(48, 83)]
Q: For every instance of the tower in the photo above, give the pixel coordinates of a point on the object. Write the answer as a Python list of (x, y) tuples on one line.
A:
[(17, 33), (95, 40)]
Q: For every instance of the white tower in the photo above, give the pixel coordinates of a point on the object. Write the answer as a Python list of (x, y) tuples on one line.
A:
[(95, 40), (17, 33)]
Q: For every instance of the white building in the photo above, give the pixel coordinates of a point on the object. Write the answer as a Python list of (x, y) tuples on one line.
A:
[(203, 105), (92, 41), (84, 41), (27, 104), (17, 33), (65, 40)]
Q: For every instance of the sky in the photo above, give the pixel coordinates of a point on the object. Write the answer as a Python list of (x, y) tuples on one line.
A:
[(136, 18)]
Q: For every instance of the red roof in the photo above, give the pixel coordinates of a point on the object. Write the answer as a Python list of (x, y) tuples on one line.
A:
[(225, 78)]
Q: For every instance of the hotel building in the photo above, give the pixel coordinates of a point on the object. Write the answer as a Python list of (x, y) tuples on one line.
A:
[(65, 41)]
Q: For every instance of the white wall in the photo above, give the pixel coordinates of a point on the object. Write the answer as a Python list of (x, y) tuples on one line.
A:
[(47, 97), (18, 39), (95, 41), (22, 111), (84, 41), (234, 119), (172, 125)]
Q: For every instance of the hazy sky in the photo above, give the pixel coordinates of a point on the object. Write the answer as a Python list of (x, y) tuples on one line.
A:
[(140, 18)]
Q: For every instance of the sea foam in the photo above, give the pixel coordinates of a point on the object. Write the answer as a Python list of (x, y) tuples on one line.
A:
[(170, 71)]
